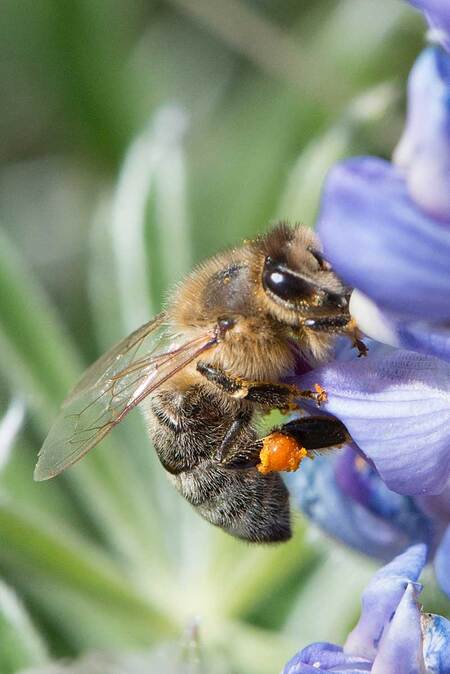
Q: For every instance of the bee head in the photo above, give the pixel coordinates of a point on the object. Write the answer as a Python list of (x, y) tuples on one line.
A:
[(296, 279)]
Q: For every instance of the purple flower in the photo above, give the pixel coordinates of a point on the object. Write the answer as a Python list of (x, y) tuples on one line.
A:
[(391, 488), (392, 636), (437, 13), (423, 153), (345, 496), (386, 230), (395, 220), (396, 407)]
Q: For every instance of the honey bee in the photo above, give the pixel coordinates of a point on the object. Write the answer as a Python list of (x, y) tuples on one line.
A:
[(203, 372)]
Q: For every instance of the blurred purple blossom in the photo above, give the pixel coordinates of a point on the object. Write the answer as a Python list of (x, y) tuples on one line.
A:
[(395, 218), (437, 13), (385, 227), (392, 635), (423, 153), (346, 498), (386, 230)]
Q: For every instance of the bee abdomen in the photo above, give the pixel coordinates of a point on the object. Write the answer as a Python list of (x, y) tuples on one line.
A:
[(186, 430), (243, 503)]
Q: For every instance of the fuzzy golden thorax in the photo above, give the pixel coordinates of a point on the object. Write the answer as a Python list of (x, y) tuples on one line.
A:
[(230, 285)]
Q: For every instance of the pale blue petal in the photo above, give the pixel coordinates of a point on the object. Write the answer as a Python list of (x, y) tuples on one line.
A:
[(409, 564), (400, 648), (315, 491), (324, 657), (436, 643), (425, 338), (423, 153), (361, 482), (422, 336), (381, 598), (396, 406), (379, 241)]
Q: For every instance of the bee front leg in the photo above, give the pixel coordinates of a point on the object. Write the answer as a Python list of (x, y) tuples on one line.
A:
[(267, 394), (341, 324)]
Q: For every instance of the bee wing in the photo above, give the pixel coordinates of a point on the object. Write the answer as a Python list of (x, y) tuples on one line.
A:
[(112, 387)]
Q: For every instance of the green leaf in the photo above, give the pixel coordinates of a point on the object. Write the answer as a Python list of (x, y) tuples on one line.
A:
[(21, 645), (39, 552), (300, 199)]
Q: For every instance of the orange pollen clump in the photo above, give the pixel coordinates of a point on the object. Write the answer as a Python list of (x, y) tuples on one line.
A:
[(280, 452), (322, 396)]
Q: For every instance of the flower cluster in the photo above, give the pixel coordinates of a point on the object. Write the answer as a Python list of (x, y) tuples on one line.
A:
[(392, 635), (385, 227)]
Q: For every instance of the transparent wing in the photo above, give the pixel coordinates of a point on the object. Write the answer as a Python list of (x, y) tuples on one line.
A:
[(111, 387)]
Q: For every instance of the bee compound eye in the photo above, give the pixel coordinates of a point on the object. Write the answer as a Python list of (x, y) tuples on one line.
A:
[(285, 284)]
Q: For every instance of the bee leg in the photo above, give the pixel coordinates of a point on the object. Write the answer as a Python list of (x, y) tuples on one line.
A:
[(282, 396), (341, 324), (286, 446), (242, 458), (234, 386), (229, 439), (269, 395), (316, 433)]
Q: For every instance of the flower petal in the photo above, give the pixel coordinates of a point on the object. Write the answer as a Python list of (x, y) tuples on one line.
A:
[(423, 152), (381, 598), (436, 643), (420, 336), (400, 649), (442, 563), (372, 321), (359, 480), (396, 406), (325, 657), (437, 13), (437, 507), (380, 242), (316, 492)]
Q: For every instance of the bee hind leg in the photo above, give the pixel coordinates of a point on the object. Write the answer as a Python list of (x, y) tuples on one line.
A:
[(286, 446), (241, 421)]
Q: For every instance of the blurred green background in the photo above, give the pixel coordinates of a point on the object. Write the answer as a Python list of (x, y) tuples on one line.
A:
[(137, 137)]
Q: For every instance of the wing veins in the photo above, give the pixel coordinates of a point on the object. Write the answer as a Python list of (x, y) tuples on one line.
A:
[(119, 393)]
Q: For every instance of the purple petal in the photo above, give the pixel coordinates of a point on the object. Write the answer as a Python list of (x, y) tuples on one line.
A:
[(421, 336), (381, 598), (380, 242), (409, 564), (442, 563), (436, 643), (437, 507), (396, 406), (359, 480), (437, 13), (316, 492), (425, 338), (325, 657), (400, 649), (423, 153)]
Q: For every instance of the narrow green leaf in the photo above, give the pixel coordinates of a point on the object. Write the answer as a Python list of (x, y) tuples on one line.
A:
[(21, 645), (41, 548), (300, 199), (336, 584)]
